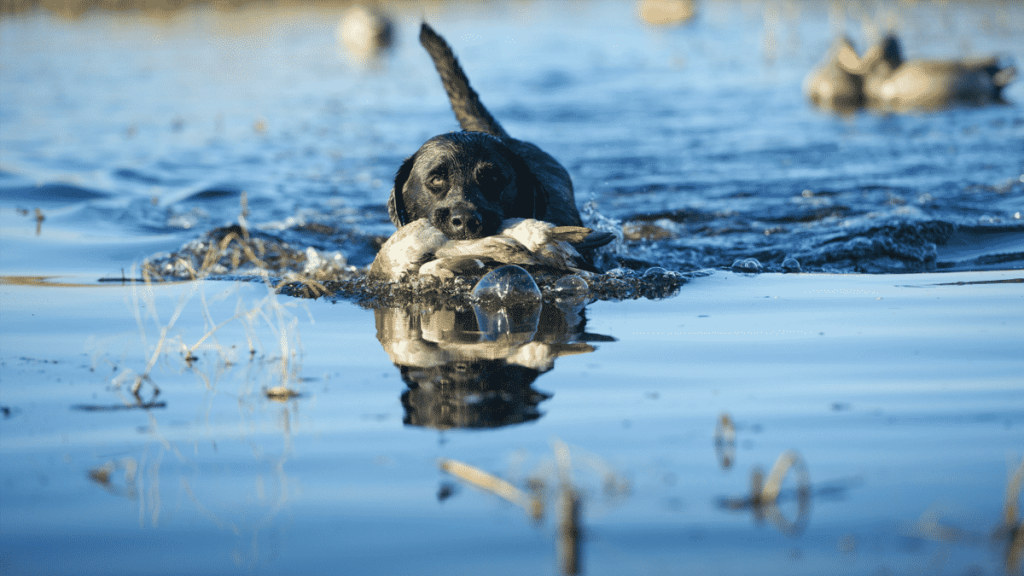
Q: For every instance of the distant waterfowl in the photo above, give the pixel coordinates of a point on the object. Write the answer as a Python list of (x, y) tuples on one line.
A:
[(892, 82), (833, 86), (365, 31), (666, 12), (883, 79)]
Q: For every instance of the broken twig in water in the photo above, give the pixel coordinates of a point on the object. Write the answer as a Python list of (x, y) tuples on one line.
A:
[(569, 530), (485, 481)]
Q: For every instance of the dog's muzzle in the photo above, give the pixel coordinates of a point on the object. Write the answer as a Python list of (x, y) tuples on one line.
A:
[(459, 222)]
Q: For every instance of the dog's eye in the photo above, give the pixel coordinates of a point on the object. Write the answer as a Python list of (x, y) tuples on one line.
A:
[(436, 181), (491, 178)]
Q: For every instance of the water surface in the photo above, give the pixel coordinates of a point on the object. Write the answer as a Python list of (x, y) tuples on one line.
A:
[(124, 136)]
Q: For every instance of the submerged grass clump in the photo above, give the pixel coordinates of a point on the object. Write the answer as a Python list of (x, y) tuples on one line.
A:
[(234, 250), (238, 253), (234, 253)]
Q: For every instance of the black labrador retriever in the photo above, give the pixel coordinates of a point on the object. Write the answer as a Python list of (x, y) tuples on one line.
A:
[(467, 183)]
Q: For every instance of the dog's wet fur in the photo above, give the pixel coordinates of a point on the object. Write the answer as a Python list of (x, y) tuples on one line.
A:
[(466, 183)]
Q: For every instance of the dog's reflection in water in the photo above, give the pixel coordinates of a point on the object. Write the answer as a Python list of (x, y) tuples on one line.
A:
[(476, 368)]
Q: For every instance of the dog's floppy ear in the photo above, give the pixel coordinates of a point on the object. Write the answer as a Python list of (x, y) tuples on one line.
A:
[(396, 203), (540, 198), (532, 196)]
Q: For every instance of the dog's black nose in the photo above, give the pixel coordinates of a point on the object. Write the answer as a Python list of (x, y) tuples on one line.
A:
[(463, 223)]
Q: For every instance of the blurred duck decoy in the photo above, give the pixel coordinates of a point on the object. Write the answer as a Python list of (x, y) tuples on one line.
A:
[(894, 83), (883, 79), (365, 31), (666, 12), (834, 86), (419, 248)]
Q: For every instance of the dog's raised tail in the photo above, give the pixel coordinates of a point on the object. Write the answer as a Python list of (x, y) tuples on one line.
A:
[(469, 111)]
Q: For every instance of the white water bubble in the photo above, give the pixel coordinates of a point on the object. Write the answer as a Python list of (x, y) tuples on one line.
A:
[(508, 304), (748, 265), (508, 284), (571, 286), (657, 273), (621, 273), (791, 264)]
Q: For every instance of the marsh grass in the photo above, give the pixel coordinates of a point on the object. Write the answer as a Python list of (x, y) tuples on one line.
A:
[(1010, 531), (230, 249), (551, 479), (763, 501), (239, 252), (160, 340), (725, 441), (256, 341)]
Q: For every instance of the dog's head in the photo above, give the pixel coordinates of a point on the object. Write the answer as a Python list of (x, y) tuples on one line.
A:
[(465, 184)]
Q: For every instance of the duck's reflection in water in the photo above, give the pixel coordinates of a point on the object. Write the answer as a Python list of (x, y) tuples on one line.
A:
[(475, 368)]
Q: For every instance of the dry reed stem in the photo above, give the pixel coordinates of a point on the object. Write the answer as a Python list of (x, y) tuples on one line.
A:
[(773, 485), (1013, 493), (490, 483), (569, 531), (725, 441), (570, 505)]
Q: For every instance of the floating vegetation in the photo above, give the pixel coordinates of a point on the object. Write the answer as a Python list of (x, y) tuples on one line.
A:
[(569, 496), (530, 503), (104, 476), (725, 441), (1010, 531), (281, 394), (238, 253), (282, 358), (1008, 535), (764, 494), (616, 284), (138, 405)]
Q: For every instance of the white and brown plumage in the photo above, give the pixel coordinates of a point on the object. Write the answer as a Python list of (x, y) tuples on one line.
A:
[(420, 249)]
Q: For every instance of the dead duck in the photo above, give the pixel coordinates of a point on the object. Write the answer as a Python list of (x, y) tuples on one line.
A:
[(836, 84), (890, 82), (420, 249)]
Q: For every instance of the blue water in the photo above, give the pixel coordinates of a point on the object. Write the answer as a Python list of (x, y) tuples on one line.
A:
[(125, 137), (156, 125)]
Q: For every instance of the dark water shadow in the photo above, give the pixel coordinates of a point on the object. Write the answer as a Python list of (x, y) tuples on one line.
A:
[(475, 368)]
